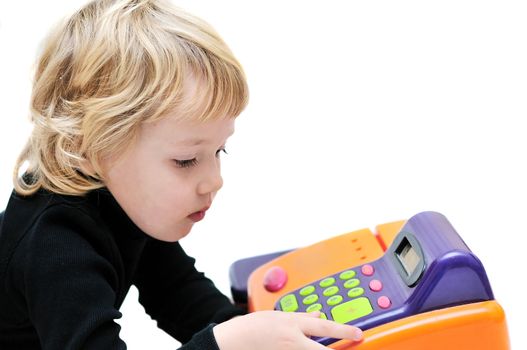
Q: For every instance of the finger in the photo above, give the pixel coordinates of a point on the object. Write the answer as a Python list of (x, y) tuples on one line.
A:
[(313, 314), (309, 344), (323, 328)]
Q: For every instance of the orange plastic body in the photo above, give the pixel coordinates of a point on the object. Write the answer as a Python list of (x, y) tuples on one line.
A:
[(323, 258), (470, 326)]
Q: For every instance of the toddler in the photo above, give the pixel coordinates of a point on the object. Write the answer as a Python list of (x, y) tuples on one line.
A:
[(132, 104)]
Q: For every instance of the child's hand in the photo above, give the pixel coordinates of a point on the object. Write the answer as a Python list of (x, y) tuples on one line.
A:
[(280, 331)]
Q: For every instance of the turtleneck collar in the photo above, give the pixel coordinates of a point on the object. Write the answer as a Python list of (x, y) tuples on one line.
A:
[(114, 215)]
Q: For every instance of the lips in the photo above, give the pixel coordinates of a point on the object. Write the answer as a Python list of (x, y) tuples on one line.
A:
[(199, 215)]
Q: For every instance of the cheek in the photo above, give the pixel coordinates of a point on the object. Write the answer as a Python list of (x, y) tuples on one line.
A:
[(156, 196), (161, 213), (171, 199)]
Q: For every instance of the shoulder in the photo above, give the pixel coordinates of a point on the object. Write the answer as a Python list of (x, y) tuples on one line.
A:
[(25, 211), (46, 214), (65, 227), (46, 228)]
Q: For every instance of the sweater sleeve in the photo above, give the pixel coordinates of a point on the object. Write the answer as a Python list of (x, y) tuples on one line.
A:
[(68, 285), (203, 340), (181, 299)]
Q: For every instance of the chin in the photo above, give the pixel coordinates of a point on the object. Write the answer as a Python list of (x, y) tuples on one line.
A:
[(173, 236), (168, 232)]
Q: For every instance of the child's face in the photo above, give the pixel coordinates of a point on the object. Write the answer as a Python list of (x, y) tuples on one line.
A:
[(168, 178)]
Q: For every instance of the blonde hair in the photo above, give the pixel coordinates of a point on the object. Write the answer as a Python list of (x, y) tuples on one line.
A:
[(112, 66)]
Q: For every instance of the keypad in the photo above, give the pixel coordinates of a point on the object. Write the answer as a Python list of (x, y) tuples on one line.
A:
[(342, 296), (352, 283), (310, 299), (307, 290), (351, 310), (326, 282), (289, 303)]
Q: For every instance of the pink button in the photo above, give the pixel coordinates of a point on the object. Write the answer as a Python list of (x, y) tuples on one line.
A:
[(375, 285), (275, 279), (367, 270), (384, 302)]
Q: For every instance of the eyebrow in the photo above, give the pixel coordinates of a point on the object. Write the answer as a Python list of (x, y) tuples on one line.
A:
[(197, 142)]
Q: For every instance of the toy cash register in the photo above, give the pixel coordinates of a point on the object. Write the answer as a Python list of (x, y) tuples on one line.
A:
[(410, 285)]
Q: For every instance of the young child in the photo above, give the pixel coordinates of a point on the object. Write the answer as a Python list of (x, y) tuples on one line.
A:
[(133, 102)]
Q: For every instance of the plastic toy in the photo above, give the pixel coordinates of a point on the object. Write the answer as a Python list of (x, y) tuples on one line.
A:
[(409, 285)]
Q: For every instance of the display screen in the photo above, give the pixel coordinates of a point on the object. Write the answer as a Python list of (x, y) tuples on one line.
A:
[(408, 256)]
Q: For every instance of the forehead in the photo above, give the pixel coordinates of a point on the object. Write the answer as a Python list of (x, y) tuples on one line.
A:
[(175, 131)]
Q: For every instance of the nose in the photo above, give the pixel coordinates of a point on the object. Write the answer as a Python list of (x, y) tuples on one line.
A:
[(212, 181)]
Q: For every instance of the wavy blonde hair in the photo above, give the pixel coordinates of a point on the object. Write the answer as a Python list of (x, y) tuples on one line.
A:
[(111, 66)]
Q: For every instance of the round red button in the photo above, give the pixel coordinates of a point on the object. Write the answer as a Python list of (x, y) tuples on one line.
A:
[(375, 285), (367, 270), (275, 279), (384, 302)]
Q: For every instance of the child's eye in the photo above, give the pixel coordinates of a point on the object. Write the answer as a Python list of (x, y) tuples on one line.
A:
[(187, 163), (221, 150)]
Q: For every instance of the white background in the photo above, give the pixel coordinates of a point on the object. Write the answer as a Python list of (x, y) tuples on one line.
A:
[(361, 113)]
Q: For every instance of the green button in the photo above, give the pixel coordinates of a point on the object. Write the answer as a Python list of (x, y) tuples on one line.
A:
[(334, 300), (351, 310), (351, 283), (314, 307), (355, 292), (310, 299), (346, 275), (307, 290), (330, 291), (323, 316), (289, 303), (326, 282)]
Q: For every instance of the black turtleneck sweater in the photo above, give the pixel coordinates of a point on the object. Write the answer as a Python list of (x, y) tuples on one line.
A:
[(67, 263)]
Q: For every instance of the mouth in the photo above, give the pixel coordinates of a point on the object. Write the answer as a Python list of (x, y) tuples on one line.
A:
[(198, 215)]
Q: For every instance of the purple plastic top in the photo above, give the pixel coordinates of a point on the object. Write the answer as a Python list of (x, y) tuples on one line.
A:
[(428, 266)]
